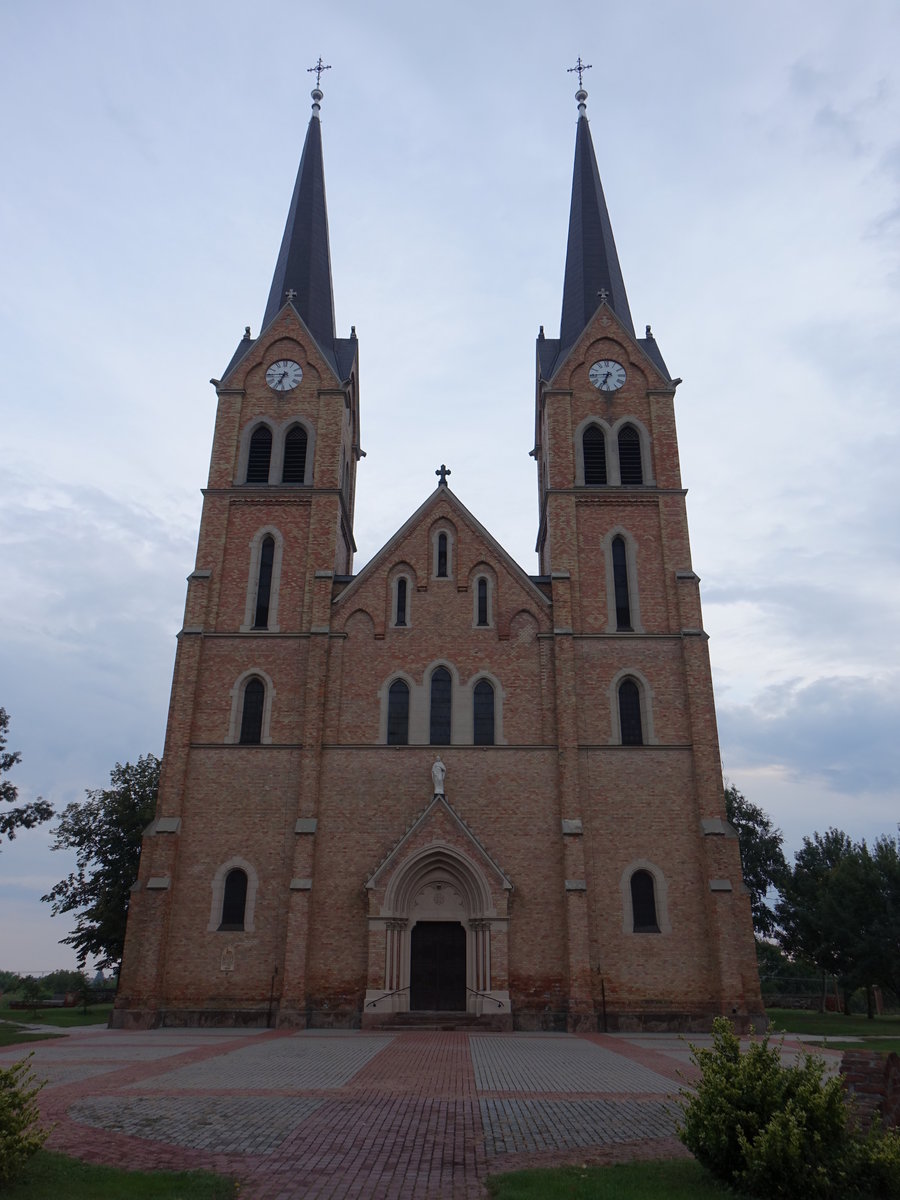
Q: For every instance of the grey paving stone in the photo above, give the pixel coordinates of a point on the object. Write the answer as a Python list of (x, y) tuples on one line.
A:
[(568, 1064), (289, 1063), (225, 1124), (528, 1126)]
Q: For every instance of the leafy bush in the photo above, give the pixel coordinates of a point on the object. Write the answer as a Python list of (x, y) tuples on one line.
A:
[(773, 1131), (20, 1134)]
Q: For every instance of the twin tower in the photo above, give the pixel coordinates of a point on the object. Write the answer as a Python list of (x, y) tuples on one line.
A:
[(441, 784)]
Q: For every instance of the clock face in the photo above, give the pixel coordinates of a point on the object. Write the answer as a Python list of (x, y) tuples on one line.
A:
[(284, 375), (607, 375)]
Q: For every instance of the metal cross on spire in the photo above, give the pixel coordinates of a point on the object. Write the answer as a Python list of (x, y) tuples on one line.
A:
[(580, 67), (443, 472), (320, 67)]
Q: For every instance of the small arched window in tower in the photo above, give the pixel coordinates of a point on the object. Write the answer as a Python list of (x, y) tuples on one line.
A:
[(260, 455), (398, 714), (440, 707), (400, 615), (252, 712), (264, 584), (630, 713), (234, 899), (643, 903), (593, 448), (483, 714), (620, 583), (442, 556), (630, 469), (295, 443), (483, 611)]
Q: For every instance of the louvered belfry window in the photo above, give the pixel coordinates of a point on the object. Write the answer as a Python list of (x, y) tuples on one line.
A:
[(260, 455), (630, 469), (398, 714), (440, 707), (294, 470), (252, 712), (442, 556), (630, 713), (264, 586), (234, 899), (643, 903), (620, 582), (483, 714), (401, 602), (593, 446)]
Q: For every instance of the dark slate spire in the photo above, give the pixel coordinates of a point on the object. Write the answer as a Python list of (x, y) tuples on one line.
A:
[(303, 271), (592, 265)]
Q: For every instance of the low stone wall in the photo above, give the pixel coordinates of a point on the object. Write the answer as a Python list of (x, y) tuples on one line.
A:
[(873, 1082)]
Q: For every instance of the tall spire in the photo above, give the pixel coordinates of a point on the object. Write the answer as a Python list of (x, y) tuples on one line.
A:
[(303, 270), (593, 273)]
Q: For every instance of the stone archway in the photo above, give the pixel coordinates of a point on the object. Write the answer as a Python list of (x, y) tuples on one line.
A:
[(436, 888)]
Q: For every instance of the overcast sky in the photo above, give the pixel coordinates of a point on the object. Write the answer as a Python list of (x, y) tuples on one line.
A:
[(750, 156)]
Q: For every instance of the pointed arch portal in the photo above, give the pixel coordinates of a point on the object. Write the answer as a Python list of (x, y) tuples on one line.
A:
[(436, 939)]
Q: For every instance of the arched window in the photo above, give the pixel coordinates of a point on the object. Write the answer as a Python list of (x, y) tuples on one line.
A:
[(295, 443), (643, 903), (483, 714), (630, 713), (264, 584), (620, 583), (630, 469), (400, 614), (593, 447), (252, 712), (398, 714), (483, 612), (442, 556), (234, 899), (260, 455), (440, 707)]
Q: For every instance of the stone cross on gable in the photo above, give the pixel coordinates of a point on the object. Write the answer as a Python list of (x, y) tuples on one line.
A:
[(604, 295), (443, 472), (290, 293)]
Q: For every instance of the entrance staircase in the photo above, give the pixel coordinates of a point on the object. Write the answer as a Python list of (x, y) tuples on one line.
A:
[(444, 1022)]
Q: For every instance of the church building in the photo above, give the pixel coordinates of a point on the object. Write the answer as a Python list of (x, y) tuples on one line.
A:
[(440, 788)]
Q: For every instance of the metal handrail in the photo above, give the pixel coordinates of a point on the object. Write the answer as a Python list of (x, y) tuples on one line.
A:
[(387, 996), (485, 996)]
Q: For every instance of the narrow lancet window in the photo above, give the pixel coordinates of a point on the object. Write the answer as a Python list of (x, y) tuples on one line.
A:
[(398, 714), (442, 556), (630, 468), (252, 712), (630, 713), (593, 447), (264, 584), (620, 582), (401, 602), (260, 455), (440, 707), (483, 714), (482, 601), (643, 903), (234, 899)]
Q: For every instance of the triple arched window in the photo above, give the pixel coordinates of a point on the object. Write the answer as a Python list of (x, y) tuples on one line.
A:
[(441, 711)]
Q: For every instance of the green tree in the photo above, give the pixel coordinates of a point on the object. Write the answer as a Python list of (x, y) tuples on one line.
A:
[(762, 859), (25, 816), (105, 833)]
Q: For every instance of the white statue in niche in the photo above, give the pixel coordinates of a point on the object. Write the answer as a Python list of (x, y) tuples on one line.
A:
[(438, 771), (227, 960)]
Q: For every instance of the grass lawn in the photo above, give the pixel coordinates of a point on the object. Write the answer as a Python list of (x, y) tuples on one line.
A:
[(11, 1034), (834, 1026), (675, 1179), (50, 1176), (66, 1018)]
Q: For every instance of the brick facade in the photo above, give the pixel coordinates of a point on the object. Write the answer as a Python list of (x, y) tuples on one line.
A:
[(534, 846)]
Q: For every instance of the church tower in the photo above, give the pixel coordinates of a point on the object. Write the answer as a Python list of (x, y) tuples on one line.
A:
[(441, 784)]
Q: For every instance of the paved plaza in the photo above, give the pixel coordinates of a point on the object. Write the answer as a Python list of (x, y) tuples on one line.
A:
[(411, 1115)]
